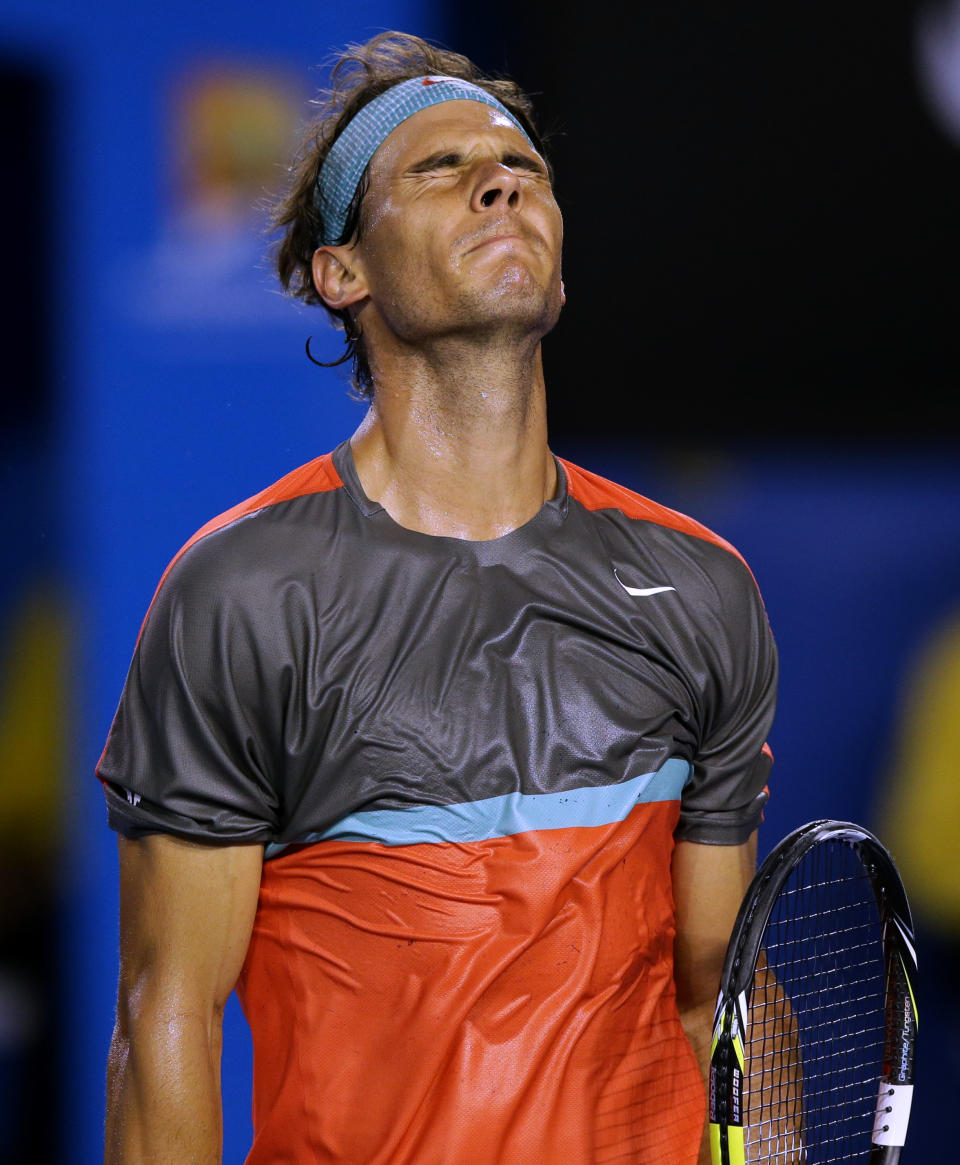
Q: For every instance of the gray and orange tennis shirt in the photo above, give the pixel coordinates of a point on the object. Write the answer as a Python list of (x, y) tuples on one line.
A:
[(468, 763)]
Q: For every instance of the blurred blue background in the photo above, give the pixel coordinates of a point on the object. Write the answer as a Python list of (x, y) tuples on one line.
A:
[(761, 332)]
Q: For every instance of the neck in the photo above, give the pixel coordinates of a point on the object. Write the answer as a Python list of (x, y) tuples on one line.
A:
[(456, 445)]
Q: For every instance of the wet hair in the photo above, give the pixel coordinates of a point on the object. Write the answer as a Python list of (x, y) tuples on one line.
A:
[(360, 74)]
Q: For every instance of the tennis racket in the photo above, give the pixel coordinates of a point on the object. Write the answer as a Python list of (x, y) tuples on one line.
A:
[(815, 1028)]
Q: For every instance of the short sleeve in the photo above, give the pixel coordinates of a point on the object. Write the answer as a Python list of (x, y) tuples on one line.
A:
[(185, 752), (722, 803)]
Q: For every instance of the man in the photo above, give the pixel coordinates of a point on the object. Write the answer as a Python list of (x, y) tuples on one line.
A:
[(448, 754)]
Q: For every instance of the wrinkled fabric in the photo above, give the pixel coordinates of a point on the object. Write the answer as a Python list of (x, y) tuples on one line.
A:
[(468, 763)]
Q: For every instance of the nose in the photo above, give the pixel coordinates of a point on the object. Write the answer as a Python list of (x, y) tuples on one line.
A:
[(495, 184)]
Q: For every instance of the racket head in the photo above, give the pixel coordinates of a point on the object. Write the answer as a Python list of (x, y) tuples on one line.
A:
[(815, 1025)]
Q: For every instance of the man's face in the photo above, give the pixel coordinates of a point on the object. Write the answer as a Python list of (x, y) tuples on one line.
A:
[(461, 231)]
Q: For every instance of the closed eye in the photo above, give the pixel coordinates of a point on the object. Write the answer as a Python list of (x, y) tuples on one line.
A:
[(442, 160), (452, 159), (525, 162)]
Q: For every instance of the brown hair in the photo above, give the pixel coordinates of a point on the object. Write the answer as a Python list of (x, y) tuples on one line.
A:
[(360, 74)]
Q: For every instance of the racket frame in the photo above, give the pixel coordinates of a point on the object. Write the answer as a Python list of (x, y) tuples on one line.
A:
[(727, 1054)]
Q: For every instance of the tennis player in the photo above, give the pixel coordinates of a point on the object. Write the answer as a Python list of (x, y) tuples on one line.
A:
[(446, 753)]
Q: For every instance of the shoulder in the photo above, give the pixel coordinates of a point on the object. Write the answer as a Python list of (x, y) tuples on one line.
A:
[(233, 554), (670, 527), (716, 588), (307, 481)]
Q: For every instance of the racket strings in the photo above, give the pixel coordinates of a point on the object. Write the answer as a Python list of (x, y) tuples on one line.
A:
[(814, 1037)]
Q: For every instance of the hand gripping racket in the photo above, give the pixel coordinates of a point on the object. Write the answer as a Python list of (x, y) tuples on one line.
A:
[(815, 1028)]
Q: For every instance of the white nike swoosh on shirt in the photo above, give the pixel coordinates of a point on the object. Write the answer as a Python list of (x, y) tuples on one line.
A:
[(641, 591)]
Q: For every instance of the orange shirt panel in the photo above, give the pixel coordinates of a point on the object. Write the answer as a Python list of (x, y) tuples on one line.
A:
[(493, 1003)]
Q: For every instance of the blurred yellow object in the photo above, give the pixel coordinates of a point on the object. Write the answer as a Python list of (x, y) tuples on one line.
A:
[(33, 710), (232, 128), (920, 818)]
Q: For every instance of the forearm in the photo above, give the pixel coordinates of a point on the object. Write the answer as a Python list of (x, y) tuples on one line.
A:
[(163, 1090), (773, 1090), (697, 991), (697, 1021), (708, 885)]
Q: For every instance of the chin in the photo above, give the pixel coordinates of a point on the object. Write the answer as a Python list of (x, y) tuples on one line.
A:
[(525, 297), (519, 313), (515, 298)]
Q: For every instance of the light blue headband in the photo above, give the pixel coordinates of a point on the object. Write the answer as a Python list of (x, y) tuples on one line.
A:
[(350, 154)]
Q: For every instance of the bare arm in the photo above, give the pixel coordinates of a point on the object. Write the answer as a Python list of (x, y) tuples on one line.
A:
[(773, 1087), (186, 914), (709, 882)]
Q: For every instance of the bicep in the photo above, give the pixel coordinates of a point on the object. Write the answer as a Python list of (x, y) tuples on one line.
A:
[(709, 882), (186, 915)]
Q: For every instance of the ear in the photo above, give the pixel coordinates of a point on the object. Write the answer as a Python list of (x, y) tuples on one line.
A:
[(337, 277), (563, 294)]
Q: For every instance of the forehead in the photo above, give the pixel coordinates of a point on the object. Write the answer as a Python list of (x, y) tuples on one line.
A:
[(451, 123)]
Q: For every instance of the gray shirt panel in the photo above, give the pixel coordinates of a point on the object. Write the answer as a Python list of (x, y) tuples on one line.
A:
[(315, 659)]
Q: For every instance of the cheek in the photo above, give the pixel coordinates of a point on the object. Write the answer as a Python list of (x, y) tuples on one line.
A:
[(557, 220), (398, 254), (550, 218), (375, 216)]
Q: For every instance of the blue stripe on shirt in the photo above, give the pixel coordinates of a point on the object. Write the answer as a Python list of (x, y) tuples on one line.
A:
[(505, 815)]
